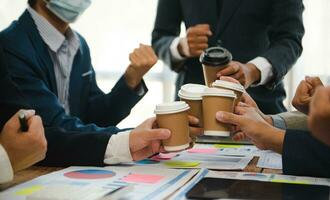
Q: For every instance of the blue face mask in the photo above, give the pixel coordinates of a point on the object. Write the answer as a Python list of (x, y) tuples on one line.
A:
[(68, 10)]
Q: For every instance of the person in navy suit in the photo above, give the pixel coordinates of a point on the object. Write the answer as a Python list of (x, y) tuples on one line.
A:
[(264, 37), (50, 66)]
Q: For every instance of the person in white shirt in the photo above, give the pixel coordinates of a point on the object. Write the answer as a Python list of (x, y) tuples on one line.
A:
[(19, 150)]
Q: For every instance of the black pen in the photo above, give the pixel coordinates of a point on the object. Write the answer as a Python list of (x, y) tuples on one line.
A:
[(23, 122)]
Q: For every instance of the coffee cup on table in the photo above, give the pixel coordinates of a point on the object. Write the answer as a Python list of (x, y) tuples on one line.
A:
[(174, 116), (192, 95), (215, 100), (235, 87), (214, 59)]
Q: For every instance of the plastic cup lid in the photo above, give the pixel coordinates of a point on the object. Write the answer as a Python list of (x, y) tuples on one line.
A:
[(173, 107), (216, 56), (228, 85), (219, 92), (192, 91)]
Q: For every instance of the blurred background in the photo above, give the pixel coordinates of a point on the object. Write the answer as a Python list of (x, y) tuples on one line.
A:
[(114, 28)]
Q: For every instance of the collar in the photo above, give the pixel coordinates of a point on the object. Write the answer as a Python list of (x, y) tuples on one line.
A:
[(50, 35)]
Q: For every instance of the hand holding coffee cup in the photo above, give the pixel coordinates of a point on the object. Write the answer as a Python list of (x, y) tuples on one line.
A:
[(142, 60), (196, 41), (214, 59), (174, 117), (246, 74)]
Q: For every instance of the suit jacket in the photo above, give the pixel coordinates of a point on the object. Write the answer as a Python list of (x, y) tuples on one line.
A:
[(272, 29), (31, 68), (303, 155), (65, 148), (295, 120)]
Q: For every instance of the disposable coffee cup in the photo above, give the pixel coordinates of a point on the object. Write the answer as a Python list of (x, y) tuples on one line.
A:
[(174, 116), (192, 95), (213, 60), (215, 100), (235, 87)]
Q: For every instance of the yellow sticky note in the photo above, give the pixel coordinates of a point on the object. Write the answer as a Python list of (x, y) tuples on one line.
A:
[(219, 146), (179, 164), (29, 190), (288, 181)]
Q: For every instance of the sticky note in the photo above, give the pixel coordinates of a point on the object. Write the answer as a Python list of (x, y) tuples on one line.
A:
[(29, 190), (142, 178), (207, 151), (179, 164), (147, 162), (227, 146), (288, 181), (164, 156)]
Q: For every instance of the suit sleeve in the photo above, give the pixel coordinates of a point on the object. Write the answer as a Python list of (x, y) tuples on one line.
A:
[(166, 29), (109, 109), (37, 94), (304, 155), (286, 33)]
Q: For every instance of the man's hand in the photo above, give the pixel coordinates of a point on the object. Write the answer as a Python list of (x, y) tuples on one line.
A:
[(197, 39), (254, 127), (24, 148), (246, 74), (142, 60), (305, 92), (319, 116), (194, 130), (145, 140)]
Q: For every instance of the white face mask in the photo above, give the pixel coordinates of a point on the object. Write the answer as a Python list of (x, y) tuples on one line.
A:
[(68, 10)]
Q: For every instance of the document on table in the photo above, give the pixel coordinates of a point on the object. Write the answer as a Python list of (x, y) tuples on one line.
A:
[(202, 156), (95, 183), (270, 160)]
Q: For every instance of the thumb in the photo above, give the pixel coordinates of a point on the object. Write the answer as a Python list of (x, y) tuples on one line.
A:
[(156, 134), (228, 118)]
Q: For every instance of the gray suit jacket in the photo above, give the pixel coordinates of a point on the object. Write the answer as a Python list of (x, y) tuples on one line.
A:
[(294, 120)]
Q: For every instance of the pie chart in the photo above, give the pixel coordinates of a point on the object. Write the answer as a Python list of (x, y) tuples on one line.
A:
[(90, 174)]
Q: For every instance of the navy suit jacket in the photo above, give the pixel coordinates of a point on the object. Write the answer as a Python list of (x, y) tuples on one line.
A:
[(31, 68), (268, 28), (65, 148), (303, 155)]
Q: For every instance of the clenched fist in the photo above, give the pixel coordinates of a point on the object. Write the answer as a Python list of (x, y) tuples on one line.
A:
[(142, 60), (197, 39)]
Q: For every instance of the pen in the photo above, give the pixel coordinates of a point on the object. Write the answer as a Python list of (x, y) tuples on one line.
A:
[(23, 122)]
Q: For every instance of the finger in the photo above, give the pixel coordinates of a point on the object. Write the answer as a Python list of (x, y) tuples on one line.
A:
[(239, 110), (202, 29), (198, 46), (195, 131), (314, 81), (239, 136), (231, 69), (242, 104), (228, 118), (201, 39), (194, 121), (35, 125), (156, 134), (238, 76), (229, 79), (142, 154)]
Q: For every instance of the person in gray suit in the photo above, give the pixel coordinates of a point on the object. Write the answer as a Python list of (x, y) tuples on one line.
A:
[(263, 36)]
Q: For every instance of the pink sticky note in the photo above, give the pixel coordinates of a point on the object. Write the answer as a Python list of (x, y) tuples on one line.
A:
[(208, 150), (164, 156), (142, 178)]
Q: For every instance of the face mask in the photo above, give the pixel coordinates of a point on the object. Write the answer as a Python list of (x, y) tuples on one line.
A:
[(68, 10)]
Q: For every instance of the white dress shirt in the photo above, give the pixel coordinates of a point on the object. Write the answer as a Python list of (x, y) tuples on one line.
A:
[(262, 64), (62, 49), (6, 170)]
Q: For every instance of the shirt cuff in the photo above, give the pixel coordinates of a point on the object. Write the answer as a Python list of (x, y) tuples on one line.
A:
[(118, 150), (278, 122), (265, 68), (6, 170), (174, 49)]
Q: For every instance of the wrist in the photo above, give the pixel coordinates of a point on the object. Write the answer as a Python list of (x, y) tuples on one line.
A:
[(277, 140), (269, 119), (132, 81), (255, 74)]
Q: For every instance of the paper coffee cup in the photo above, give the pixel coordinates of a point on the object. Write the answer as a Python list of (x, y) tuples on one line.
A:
[(174, 116), (235, 87), (215, 100), (214, 59), (192, 95)]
